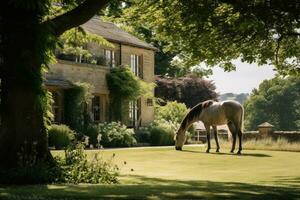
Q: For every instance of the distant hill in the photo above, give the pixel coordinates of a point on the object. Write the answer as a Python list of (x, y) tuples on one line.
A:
[(242, 97)]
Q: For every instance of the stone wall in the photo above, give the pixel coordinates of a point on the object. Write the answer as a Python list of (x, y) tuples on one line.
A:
[(79, 72), (291, 136), (96, 75)]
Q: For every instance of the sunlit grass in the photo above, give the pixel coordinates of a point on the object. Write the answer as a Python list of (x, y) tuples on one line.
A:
[(163, 173)]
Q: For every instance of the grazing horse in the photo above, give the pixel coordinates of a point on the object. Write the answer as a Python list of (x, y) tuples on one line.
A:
[(213, 113)]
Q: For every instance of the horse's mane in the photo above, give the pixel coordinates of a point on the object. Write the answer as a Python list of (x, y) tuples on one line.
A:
[(194, 113)]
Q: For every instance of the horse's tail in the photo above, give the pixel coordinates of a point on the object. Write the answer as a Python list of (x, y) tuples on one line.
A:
[(242, 120)]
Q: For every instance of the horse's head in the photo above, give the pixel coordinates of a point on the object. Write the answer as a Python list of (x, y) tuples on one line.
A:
[(179, 139)]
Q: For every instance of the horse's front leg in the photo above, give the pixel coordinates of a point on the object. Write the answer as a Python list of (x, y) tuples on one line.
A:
[(216, 138), (207, 127)]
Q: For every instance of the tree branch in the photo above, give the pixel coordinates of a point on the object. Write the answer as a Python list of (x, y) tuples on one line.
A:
[(76, 17), (277, 49)]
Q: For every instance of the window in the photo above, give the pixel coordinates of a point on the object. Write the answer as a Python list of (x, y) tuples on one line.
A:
[(96, 108), (134, 113), (136, 65), (149, 102), (110, 58)]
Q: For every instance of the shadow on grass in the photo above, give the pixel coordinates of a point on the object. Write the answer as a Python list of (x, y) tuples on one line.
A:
[(156, 188), (231, 154)]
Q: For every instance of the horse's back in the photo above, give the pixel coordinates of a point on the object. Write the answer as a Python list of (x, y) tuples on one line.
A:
[(231, 104), (214, 114), (219, 113)]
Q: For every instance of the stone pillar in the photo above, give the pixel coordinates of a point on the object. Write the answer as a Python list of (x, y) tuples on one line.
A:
[(265, 129)]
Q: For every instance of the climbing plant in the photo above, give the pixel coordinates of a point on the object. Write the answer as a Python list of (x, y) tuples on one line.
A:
[(124, 86), (76, 102)]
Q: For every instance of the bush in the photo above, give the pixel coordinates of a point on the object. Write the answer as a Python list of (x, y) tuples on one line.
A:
[(60, 136), (172, 111), (73, 167), (162, 132), (92, 132), (115, 134), (142, 135), (167, 121), (159, 136), (77, 169)]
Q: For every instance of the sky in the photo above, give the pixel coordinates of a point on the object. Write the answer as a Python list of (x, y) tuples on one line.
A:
[(243, 80)]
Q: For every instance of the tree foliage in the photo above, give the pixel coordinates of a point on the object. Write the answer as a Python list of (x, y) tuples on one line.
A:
[(216, 32), (189, 90), (74, 42), (164, 60), (276, 101)]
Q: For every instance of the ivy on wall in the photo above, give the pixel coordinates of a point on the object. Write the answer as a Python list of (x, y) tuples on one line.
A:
[(76, 106), (124, 86), (46, 100)]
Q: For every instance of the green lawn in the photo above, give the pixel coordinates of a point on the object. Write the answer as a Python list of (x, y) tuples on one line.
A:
[(163, 173)]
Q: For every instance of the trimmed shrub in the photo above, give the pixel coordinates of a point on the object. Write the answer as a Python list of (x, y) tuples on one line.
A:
[(159, 136), (142, 135), (115, 134), (162, 132), (60, 136)]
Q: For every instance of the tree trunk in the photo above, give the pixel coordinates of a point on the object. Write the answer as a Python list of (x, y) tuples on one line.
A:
[(23, 137), (25, 42)]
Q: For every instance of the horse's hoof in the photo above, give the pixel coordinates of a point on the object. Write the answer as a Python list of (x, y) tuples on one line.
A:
[(217, 151), (232, 151), (178, 148), (207, 151), (239, 153)]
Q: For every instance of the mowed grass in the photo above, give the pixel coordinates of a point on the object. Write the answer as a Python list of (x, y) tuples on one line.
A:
[(163, 173)]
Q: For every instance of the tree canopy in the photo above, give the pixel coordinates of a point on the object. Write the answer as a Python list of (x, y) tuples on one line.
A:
[(189, 90), (166, 63), (216, 32), (276, 101)]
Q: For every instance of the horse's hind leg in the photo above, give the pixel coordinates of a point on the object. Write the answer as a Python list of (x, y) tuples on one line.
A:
[(240, 141), (207, 127), (233, 132), (216, 138)]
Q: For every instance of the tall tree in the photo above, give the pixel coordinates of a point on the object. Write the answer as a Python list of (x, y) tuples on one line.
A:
[(189, 90), (27, 38), (218, 31), (276, 101)]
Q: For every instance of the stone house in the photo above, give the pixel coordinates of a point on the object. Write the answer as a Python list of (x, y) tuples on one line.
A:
[(127, 50)]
